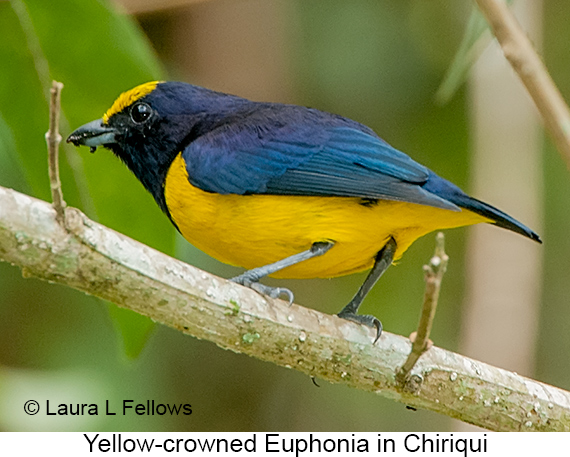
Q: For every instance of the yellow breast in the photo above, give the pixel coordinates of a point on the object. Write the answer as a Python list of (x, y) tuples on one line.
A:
[(255, 230)]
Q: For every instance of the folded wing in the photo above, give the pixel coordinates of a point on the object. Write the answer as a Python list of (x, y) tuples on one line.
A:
[(332, 157)]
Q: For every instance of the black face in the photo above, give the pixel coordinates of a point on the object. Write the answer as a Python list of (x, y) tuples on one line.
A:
[(142, 142), (134, 125), (151, 131)]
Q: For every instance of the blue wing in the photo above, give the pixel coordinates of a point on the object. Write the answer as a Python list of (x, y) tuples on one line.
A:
[(304, 153)]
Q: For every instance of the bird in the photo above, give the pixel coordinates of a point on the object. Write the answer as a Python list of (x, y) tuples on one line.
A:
[(278, 189)]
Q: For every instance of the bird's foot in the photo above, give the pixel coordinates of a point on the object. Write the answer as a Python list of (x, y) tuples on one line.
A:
[(273, 292), (365, 319)]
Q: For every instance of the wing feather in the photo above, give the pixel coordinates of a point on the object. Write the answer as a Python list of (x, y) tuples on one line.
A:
[(291, 155)]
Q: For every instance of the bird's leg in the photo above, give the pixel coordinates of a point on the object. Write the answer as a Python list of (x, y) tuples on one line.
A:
[(251, 277), (381, 263)]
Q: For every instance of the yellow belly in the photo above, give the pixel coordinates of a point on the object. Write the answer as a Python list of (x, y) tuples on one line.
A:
[(255, 230)]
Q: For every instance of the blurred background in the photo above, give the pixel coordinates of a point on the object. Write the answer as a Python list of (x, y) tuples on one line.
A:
[(504, 299)]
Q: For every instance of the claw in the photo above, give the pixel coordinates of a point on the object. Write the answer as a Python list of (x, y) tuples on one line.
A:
[(273, 292), (287, 293), (365, 319)]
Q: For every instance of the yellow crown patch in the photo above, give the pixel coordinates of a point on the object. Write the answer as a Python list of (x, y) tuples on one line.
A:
[(129, 97)]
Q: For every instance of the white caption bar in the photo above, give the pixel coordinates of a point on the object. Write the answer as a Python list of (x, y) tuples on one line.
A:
[(287, 444)]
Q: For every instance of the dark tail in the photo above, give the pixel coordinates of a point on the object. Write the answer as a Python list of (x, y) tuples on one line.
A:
[(455, 195)]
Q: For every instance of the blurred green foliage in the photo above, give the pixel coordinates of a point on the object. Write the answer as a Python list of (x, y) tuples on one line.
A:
[(50, 40), (474, 41), (379, 62), (554, 341)]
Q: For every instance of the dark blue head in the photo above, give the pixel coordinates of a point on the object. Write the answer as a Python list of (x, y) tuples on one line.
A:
[(146, 127)]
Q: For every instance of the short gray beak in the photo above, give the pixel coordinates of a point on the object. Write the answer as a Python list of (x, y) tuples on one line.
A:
[(93, 134)]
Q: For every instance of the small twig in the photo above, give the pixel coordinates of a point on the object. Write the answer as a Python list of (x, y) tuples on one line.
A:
[(434, 272), (53, 138), (531, 70)]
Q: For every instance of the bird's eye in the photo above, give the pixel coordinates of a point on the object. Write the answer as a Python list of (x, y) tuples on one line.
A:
[(140, 113)]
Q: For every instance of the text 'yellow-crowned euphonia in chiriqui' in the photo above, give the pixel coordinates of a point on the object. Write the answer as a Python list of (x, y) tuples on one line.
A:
[(280, 190)]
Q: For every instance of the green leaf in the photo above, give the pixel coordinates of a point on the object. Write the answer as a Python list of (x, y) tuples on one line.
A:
[(133, 328), (23, 106), (97, 53), (474, 41), (11, 170)]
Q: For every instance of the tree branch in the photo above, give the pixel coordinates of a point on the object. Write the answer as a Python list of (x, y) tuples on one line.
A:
[(94, 259), (531, 70)]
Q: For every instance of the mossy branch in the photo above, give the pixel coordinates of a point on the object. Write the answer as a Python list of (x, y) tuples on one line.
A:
[(99, 261)]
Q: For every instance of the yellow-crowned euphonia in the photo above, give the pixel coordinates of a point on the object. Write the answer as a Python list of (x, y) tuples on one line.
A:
[(280, 190)]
